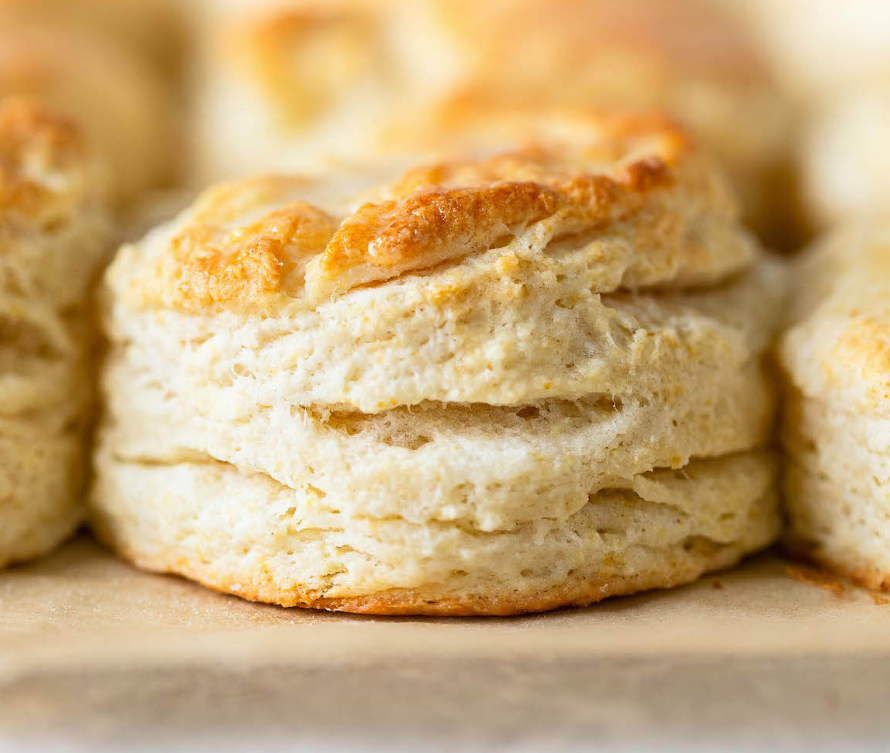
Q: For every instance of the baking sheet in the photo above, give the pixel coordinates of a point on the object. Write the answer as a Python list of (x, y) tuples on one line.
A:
[(92, 650)]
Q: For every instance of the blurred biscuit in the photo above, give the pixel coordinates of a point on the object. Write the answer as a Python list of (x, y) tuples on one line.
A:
[(282, 85), (836, 430), (52, 204), (482, 386), (117, 99)]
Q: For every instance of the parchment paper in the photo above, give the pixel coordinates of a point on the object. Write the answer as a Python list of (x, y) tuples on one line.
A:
[(95, 652)]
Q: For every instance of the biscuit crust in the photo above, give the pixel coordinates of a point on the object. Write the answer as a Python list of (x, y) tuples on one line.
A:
[(256, 243)]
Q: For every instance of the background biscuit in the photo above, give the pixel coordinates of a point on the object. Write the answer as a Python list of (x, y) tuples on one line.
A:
[(55, 235)]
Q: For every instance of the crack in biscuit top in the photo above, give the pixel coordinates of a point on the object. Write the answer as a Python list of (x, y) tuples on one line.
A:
[(248, 244)]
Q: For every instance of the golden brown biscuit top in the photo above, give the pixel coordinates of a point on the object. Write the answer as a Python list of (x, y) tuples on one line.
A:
[(45, 170), (842, 340), (253, 243)]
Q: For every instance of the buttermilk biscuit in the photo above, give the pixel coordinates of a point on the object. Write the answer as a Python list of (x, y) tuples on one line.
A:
[(836, 429), (117, 99), (54, 238), (283, 84), (486, 386)]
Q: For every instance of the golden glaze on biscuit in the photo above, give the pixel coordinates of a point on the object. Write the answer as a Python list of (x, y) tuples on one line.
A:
[(442, 215), (507, 46), (245, 243)]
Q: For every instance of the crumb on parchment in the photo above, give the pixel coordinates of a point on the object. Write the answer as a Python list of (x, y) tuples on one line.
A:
[(816, 578)]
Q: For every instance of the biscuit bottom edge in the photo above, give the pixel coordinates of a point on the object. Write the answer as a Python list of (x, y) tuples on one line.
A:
[(244, 534), (841, 529)]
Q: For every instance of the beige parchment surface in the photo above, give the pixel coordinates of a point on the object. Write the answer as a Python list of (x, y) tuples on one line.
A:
[(96, 654)]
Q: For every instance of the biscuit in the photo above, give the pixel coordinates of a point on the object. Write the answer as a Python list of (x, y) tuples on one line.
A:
[(282, 84), (53, 204), (835, 427), (55, 234), (472, 356), (116, 98)]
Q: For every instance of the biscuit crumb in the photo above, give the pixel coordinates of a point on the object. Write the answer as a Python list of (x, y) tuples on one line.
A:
[(880, 600), (816, 578)]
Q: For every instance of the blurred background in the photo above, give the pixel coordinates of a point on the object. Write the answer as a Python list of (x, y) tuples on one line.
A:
[(793, 96)]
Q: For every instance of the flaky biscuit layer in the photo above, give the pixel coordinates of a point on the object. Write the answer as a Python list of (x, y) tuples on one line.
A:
[(41, 486), (245, 534)]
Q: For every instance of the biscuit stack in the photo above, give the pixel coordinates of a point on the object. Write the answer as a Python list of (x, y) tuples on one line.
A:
[(54, 235), (837, 429), (483, 386)]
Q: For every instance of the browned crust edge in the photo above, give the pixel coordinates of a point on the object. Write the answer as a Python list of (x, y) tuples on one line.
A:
[(577, 591), (859, 572)]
